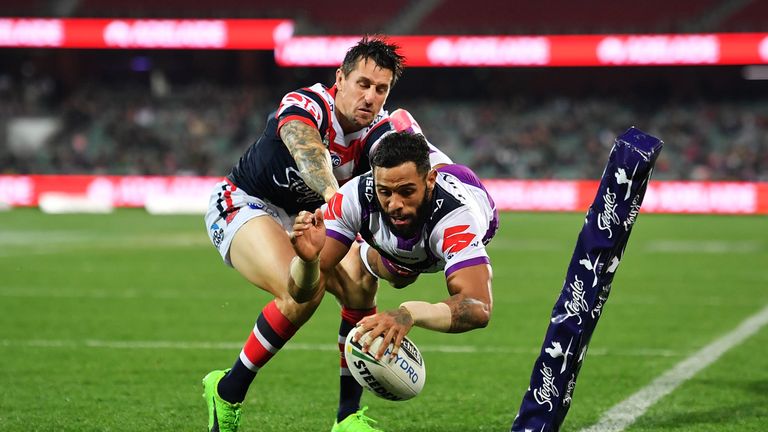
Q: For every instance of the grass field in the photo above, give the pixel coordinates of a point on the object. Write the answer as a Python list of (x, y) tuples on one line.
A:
[(108, 323)]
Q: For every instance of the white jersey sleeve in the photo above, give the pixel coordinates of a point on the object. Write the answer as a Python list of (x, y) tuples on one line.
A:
[(343, 213), (458, 240)]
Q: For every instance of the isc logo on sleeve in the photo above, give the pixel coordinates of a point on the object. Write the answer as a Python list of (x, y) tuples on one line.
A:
[(455, 239)]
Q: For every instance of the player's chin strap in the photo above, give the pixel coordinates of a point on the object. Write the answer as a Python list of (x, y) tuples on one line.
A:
[(364, 257)]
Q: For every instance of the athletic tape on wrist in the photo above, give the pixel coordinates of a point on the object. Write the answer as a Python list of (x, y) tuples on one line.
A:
[(305, 274)]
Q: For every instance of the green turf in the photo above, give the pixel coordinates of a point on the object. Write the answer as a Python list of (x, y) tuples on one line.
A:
[(108, 323)]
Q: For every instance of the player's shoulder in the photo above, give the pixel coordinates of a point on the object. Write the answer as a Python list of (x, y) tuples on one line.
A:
[(451, 200), (380, 126), (354, 198), (358, 185), (315, 100), (452, 220), (361, 187), (444, 206), (315, 89), (452, 173)]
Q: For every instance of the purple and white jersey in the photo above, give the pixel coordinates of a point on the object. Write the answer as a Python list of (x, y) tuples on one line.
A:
[(462, 221)]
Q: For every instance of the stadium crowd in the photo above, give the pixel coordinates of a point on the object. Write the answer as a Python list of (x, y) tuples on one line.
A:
[(200, 128)]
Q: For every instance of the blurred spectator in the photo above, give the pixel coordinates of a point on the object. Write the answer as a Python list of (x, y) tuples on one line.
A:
[(200, 128)]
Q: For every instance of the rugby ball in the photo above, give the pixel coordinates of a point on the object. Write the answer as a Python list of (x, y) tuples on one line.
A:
[(397, 379)]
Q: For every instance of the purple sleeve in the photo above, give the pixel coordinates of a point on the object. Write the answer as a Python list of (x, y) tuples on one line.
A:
[(467, 263), (339, 236)]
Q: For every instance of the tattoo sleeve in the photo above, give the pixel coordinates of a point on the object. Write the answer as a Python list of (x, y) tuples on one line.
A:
[(467, 313), (402, 316), (311, 156)]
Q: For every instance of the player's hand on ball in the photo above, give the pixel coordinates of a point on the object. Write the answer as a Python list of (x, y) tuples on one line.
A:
[(391, 325), (308, 235)]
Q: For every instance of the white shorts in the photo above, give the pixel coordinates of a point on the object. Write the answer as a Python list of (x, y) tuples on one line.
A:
[(230, 208)]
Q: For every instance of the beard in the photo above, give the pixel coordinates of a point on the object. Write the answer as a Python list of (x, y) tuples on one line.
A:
[(415, 222)]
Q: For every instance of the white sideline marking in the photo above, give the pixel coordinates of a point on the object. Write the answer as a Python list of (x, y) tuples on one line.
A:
[(627, 411), (298, 346)]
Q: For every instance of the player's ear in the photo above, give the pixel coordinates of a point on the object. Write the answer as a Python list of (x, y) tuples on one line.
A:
[(339, 77), (431, 178)]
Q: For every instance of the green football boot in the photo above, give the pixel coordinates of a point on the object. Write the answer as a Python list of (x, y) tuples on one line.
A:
[(222, 415), (357, 422)]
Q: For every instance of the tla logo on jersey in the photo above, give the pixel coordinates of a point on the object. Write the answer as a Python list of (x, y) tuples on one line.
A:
[(333, 211), (454, 239)]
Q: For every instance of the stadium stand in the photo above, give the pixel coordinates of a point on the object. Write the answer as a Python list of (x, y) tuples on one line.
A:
[(344, 17), (563, 16), (168, 9), (549, 123), (31, 8), (752, 17), (200, 128), (439, 16)]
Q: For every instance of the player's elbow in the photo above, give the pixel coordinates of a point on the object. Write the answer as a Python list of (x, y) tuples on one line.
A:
[(470, 314), (483, 315)]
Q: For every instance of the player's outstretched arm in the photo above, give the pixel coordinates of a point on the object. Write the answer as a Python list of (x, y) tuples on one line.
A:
[(469, 306), (311, 156), (471, 301), (315, 254)]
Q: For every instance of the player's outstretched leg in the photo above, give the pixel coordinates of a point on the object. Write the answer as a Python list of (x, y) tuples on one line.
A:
[(261, 252), (225, 390)]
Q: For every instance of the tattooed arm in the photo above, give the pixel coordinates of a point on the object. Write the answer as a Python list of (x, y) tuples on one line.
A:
[(469, 307), (311, 156)]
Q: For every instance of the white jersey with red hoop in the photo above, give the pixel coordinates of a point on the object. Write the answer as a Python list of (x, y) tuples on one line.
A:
[(462, 221)]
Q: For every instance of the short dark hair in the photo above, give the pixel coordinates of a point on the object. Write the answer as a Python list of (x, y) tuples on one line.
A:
[(398, 148), (375, 48)]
